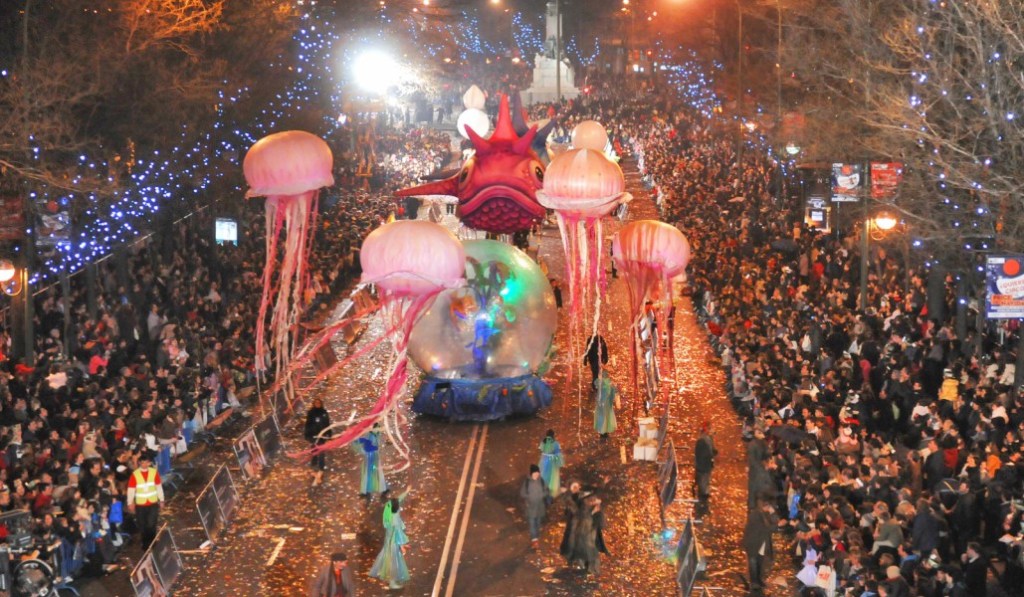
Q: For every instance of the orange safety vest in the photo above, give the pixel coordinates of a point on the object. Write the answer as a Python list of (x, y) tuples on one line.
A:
[(145, 488)]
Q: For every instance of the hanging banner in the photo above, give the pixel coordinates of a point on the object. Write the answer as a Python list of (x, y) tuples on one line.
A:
[(885, 179), (1004, 285), (53, 223), (12, 225), (847, 183)]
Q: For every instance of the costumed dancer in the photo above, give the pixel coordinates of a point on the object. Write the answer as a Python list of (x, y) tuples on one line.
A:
[(586, 542), (551, 463), (317, 420), (371, 479), (390, 565), (607, 400)]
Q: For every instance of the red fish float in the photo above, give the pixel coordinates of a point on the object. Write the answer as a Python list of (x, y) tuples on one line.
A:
[(497, 187)]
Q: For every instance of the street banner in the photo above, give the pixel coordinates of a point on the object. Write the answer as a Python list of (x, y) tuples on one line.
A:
[(12, 225), (53, 224), (1004, 287), (885, 180), (847, 183)]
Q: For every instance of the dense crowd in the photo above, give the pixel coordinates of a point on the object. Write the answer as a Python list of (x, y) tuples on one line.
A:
[(885, 451), (169, 345)]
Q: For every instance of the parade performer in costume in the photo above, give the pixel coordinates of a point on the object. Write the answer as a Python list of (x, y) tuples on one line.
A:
[(371, 478), (390, 564), (551, 463), (604, 406)]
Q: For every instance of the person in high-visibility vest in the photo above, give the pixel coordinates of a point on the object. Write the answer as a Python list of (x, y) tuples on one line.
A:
[(145, 493)]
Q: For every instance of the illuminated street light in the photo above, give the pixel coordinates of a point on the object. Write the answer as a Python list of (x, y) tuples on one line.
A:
[(885, 221), (7, 270), (792, 149), (376, 71)]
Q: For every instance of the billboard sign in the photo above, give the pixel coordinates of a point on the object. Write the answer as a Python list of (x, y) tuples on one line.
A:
[(1004, 287), (885, 180), (847, 182)]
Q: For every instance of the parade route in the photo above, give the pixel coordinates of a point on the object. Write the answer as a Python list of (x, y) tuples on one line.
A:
[(467, 533)]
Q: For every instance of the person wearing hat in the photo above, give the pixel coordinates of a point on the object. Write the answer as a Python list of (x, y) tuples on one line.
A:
[(145, 493), (534, 495), (335, 579)]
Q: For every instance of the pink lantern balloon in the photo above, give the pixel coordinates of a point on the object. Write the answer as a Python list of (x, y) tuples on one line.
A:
[(287, 168), (651, 244), (583, 182), (412, 257)]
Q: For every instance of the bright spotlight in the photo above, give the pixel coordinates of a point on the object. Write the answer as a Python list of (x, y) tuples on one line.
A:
[(376, 71)]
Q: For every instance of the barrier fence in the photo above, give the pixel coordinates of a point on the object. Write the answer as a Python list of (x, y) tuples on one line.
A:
[(254, 450), (159, 567)]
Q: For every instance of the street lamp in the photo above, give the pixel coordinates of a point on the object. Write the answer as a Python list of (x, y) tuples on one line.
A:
[(792, 149), (7, 270), (883, 222)]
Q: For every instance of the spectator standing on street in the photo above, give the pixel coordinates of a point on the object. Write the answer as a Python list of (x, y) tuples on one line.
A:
[(145, 493), (757, 543), (335, 579), (704, 453), (975, 571), (551, 463), (535, 500), (317, 420)]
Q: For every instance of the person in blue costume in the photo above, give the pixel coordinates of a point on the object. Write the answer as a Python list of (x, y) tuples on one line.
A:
[(390, 565), (604, 406), (371, 479), (551, 463)]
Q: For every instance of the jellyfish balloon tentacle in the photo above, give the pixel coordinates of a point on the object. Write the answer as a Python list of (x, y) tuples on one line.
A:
[(288, 168)]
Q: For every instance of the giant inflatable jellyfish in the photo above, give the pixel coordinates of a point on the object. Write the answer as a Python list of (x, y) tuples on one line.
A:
[(481, 345), (497, 186), (650, 254), (583, 187), (288, 168), (410, 262)]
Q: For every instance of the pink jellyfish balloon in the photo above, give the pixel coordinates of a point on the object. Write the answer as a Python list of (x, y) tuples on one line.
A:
[(583, 186), (287, 168), (649, 253), (410, 262)]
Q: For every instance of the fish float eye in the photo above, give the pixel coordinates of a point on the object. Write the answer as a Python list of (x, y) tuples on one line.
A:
[(539, 173), (463, 175)]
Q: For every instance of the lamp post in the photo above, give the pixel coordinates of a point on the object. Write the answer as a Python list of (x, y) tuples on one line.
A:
[(883, 222)]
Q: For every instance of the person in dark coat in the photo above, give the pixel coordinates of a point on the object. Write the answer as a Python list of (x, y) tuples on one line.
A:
[(335, 579), (760, 484), (573, 503), (704, 453), (975, 571), (757, 543), (934, 466), (586, 543), (597, 355), (534, 495), (924, 530), (317, 420)]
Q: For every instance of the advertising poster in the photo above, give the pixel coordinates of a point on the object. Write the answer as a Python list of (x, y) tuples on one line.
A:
[(1004, 285), (847, 183), (885, 180), (12, 225), (146, 580), (250, 455)]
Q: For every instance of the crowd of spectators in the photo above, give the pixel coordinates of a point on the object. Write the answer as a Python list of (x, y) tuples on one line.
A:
[(162, 343), (889, 448)]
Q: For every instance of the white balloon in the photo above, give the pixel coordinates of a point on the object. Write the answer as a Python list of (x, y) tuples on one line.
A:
[(476, 120), (474, 99), (589, 134)]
